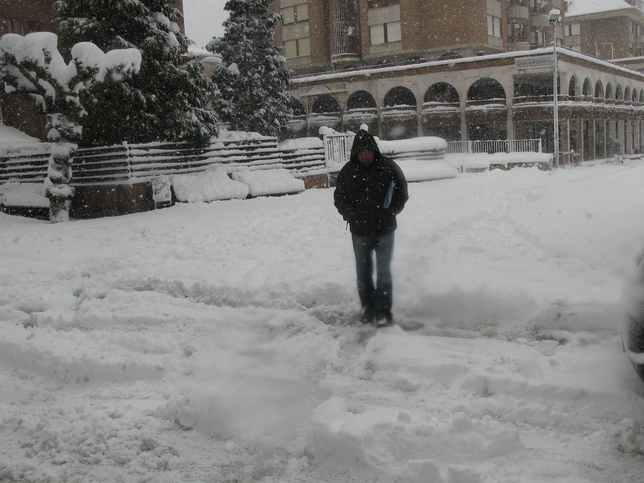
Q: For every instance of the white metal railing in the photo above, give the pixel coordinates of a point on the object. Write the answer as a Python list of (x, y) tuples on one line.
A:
[(125, 162), (337, 150), (492, 147)]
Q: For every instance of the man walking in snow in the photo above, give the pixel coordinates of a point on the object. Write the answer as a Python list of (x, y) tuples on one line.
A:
[(371, 190)]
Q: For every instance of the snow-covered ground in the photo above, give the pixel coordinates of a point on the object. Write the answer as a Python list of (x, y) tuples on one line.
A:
[(218, 343)]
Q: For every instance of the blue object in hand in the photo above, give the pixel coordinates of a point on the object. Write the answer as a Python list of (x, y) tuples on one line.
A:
[(390, 194)]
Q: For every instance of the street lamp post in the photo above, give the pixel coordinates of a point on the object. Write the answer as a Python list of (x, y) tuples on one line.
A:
[(555, 20)]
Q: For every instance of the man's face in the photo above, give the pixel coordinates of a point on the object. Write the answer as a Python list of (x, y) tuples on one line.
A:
[(366, 157)]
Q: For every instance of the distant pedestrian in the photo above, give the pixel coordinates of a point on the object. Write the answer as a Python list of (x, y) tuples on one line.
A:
[(371, 190), (618, 151)]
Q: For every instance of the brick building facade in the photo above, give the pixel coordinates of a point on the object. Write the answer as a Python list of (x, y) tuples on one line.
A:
[(476, 70)]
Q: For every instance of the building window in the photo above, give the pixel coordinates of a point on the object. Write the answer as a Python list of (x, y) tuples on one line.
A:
[(494, 26), (515, 32), (385, 33), (572, 29), (382, 3), (297, 48), (15, 26), (298, 13), (538, 38)]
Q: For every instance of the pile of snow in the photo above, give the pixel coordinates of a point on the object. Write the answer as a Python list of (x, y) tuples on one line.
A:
[(23, 194), (226, 135), (483, 161), (507, 159), (266, 182), (586, 7), (207, 186), (300, 144), (430, 144), (14, 137), (216, 184), (423, 170), (423, 443)]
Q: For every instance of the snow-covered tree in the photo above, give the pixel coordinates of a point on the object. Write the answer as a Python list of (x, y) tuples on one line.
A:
[(166, 99), (32, 67), (253, 78)]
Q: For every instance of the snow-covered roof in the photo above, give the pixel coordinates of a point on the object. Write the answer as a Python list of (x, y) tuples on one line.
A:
[(369, 71), (10, 135), (587, 7)]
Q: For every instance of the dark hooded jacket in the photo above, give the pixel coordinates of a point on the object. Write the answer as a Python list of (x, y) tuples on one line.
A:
[(361, 191)]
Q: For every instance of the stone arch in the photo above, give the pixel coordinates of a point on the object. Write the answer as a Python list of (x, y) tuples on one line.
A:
[(441, 114), (635, 95), (325, 104), (609, 91), (325, 112), (297, 123), (486, 89), (361, 100), (489, 123), (627, 94), (588, 88), (619, 93), (399, 114), (400, 96), (361, 109), (599, 89), (441, 93), (573, 87), (296, 106)]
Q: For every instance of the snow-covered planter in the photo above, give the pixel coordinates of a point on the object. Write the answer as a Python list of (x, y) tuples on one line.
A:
[(427, 147), (207, 186), (23, 194), (267, 182), (24, 199)]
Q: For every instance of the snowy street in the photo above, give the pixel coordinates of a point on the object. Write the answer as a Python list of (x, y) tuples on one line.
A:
[(219, 343)]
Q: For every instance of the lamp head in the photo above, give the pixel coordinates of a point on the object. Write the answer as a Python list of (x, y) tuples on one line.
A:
[(555, 16)]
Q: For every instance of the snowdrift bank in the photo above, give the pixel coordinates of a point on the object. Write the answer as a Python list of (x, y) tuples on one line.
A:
[(218, 342)]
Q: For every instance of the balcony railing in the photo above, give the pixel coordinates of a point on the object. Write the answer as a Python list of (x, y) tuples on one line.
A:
[(400, 111), (539, 21), (517, 14), (442, 106), (493, 147), (496, 102), (571, 99)]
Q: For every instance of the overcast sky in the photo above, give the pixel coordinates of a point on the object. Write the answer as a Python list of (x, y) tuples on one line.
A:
[(204, 19)]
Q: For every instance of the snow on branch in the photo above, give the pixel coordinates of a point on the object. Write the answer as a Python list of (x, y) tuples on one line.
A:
[(33, 67)]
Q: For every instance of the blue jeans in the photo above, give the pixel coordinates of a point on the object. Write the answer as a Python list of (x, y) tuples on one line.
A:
[(375, 299)]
